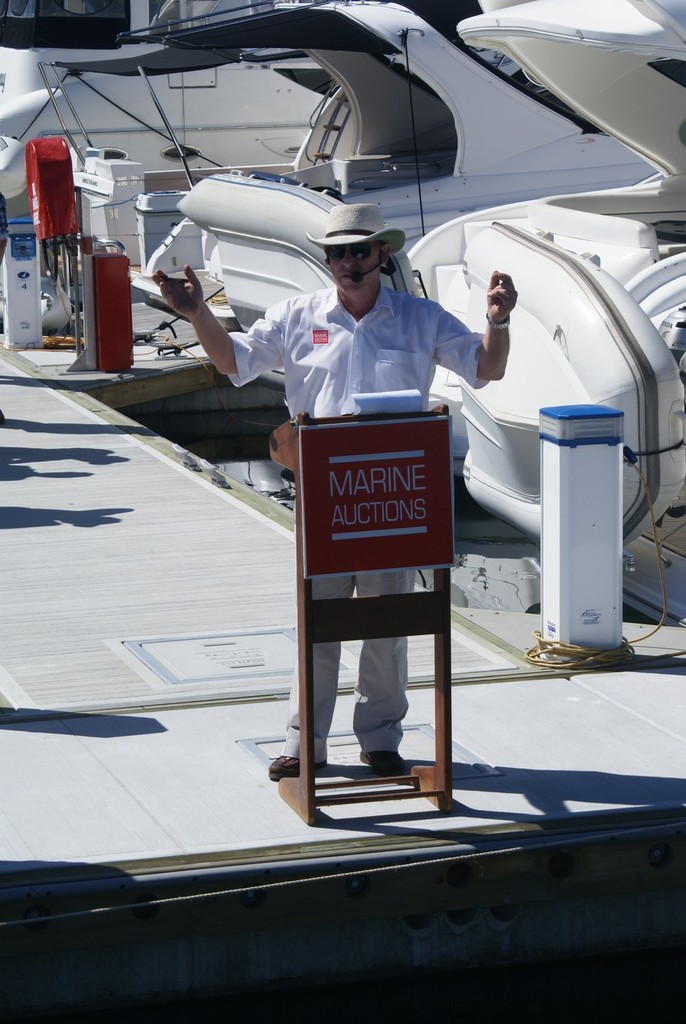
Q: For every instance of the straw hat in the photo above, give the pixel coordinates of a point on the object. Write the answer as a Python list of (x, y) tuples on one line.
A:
[(351, 223)]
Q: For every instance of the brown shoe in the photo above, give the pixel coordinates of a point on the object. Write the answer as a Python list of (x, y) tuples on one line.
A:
[(384, 762), (2, 417), (288, 768)]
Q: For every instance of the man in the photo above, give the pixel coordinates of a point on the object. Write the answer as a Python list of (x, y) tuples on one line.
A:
[(354, 338)]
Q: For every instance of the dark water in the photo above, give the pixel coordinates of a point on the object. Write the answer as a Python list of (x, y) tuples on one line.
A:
[(631, 988)]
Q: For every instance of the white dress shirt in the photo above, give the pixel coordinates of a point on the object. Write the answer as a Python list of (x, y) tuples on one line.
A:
[(327, 355)]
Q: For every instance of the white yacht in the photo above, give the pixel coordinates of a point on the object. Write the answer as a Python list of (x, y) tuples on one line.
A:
[(601, 275), (420, 124), (64, 70)]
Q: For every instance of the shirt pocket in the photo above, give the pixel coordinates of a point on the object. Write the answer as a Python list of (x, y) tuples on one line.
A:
[(396, 370)]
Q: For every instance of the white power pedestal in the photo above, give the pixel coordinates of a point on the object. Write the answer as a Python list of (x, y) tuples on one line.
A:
[(581, 525), (21, 282)]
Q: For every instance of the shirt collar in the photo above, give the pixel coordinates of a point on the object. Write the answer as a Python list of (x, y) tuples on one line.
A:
[(383, 299)]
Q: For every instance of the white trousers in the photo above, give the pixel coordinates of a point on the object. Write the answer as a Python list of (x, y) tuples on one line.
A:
[(381, 701)]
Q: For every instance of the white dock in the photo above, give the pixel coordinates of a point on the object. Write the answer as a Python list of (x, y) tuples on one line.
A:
[(148, 646)]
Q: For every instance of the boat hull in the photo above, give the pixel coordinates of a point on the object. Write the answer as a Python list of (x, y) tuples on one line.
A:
[(579, 339), (261, 228)]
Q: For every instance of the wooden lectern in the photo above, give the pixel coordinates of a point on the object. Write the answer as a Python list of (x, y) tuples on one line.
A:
[(406, 460)]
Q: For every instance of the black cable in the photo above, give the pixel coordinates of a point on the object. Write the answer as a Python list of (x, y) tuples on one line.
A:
[(630, 456), (403, 37)]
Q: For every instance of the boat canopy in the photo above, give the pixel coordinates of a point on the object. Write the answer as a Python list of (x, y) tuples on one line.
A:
[(621, 63), (307, 27), (165, 61), (302, 27)]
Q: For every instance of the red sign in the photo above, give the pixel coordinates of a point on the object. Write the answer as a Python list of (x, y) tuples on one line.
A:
[(376, 495)]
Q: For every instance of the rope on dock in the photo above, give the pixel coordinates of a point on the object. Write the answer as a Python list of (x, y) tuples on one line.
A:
[(248, 894), (546, 653)]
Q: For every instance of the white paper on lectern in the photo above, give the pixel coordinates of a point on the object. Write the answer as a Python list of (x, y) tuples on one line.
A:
[(383, 401)]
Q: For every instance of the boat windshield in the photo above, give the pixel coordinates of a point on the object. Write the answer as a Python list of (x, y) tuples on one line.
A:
[(77, 24), (165, 12), (96, 24)]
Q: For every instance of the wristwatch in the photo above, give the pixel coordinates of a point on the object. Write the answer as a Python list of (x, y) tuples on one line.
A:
[(498, 325)]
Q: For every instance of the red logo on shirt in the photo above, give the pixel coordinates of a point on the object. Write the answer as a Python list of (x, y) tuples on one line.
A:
[(320, 337)]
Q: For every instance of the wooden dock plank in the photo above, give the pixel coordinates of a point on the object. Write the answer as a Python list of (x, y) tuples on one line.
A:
[(104, 536)]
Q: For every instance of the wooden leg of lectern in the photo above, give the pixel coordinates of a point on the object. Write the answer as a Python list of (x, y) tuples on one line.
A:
[(296, 795), (443, 691), (440, 775), (299, 793)]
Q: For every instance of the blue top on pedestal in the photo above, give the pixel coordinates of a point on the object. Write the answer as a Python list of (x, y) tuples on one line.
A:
[(574, 425)]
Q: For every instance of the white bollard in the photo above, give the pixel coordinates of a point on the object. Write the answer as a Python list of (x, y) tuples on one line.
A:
[(581, 525), (22, 317)]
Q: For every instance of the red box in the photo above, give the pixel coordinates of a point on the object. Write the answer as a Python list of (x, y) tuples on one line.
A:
[(113, 313), (376, 495)]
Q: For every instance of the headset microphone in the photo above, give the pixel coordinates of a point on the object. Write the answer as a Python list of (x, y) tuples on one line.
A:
[(357, 275)]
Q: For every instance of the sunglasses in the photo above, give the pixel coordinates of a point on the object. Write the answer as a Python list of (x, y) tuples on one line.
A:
[(358, 251)]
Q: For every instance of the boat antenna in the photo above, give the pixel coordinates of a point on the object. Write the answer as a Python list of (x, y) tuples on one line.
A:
[(172, 134), (403, 34)]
